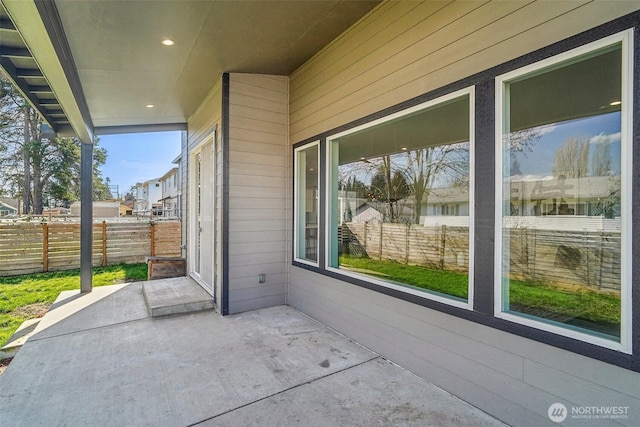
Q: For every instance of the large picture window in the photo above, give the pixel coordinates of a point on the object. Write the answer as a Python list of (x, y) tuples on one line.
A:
[(563, 190), (399, 200), (306, 201)]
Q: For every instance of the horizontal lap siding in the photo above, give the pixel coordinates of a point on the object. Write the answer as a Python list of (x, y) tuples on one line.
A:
[(258, 181), (507, 376), (424, 49), (399, 51)]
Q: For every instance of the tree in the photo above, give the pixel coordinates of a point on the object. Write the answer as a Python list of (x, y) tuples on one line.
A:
[(389, 186), (36, 167), (601, 162), (572, 159), (430, 166), (522, 141), (16, 129), (101, 187)]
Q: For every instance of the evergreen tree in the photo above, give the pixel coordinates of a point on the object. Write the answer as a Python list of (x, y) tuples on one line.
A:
[(35, 168)]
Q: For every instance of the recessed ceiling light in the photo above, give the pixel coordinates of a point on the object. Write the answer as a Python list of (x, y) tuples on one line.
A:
[(168, 42), (614, 103), (149, 105)]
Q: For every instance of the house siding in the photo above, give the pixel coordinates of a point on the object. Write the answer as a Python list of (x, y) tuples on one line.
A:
[(404, 49), (399, 51), (509, 377), (258, 182)]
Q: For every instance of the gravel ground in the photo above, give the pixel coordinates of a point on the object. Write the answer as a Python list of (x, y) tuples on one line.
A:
[(4, 363)]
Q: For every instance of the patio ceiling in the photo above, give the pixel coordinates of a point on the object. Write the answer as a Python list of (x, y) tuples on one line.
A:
[(96, 65)]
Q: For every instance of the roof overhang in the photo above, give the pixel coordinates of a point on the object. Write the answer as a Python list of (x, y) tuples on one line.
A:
[(98, 66), (43, 69)]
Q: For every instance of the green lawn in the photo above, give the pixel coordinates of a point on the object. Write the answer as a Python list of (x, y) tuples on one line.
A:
[(445, 282), (583, 308), (28, 296)]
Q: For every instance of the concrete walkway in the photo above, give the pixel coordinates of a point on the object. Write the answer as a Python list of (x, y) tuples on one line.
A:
[(101, 360)]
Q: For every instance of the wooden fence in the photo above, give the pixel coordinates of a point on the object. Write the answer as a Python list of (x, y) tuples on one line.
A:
[(31, 248), (443, 246), (567, 258)]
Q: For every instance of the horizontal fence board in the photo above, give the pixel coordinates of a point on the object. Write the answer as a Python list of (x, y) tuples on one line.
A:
[(23, 245), (587, 259)]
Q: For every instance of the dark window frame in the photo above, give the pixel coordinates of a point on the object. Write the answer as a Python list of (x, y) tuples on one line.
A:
[(484, 232)]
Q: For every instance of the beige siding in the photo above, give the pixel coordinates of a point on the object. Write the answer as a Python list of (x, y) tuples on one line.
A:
[(510, 377), (258, 182), (405, 49), (399, 51)]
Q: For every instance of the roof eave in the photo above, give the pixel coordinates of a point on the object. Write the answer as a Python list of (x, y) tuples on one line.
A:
[(39, 25)]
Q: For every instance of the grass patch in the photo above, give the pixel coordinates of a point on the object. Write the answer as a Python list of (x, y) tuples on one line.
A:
[(579, 307), (442, 281), (583, 308), (27, 296)]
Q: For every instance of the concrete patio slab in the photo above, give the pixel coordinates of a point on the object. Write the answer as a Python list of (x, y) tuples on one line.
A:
[(19, 337), (175, 296), (273, 366), (377, 392), (104, 306)]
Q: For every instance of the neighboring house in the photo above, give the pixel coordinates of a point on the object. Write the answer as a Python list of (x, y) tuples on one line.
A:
[(140, 202), (126, 209), (170, 191), (58, 211), (9, 206), (533, 197), (103, 209), (392, 78), (148, 201), (367, 213)]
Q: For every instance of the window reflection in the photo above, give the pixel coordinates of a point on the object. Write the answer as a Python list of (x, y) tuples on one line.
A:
[(562, 194), (400, 206)]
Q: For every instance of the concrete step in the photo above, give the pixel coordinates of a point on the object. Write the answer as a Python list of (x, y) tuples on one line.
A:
[(178, 295), (19, 337)]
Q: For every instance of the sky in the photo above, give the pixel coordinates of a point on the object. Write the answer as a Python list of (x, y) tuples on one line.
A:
[(138, 157), (603, 128)]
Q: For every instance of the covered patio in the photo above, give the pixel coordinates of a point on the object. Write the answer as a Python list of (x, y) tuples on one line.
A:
[(101, 359), (265, 93)]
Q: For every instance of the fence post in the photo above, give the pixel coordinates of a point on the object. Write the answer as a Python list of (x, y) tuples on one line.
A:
[(524, 251), (45, 247), (601, 253), (104, 243), (535, 253), (585, 244), (443, 238), (406, 261), (153, 239), (380, 246), (364, 238)]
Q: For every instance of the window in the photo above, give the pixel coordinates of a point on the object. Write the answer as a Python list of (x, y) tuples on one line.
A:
[(307, 168), (563, 194), (386, 181)]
